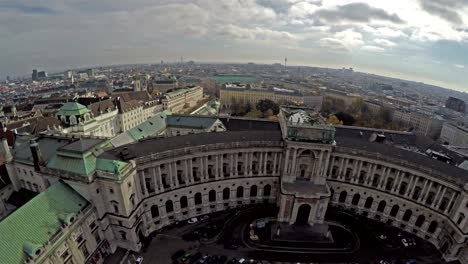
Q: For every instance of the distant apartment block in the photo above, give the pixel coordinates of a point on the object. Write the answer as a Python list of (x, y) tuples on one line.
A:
[(453, 134), (456, 104), (181, 99), (240, 93), (421, 123), (347, 98)]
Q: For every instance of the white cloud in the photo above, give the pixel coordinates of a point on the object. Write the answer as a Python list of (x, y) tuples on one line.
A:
[(460, 66), (385, 42), (372, 48)]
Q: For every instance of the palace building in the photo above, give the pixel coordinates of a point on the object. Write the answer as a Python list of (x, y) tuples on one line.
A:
[(300, 163)]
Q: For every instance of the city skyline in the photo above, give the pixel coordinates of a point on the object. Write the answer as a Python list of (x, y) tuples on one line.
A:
[(415, 40)]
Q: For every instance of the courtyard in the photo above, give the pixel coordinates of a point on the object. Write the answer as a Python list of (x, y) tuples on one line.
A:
[(223, 238)]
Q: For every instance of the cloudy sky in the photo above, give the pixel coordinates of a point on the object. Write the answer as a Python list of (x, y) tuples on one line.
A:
[(423, 40)]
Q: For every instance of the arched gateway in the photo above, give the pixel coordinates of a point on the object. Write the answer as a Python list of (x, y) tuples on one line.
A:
[(303, 215)]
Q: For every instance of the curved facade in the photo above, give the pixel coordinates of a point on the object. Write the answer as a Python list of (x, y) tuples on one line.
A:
[(216, 172), (139, 188)]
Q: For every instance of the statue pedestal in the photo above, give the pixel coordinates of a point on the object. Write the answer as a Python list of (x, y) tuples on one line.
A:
[(318, 233)]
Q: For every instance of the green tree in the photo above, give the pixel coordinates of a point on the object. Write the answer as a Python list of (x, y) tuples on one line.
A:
[(345, 118), (254, 112), (266, 104), (332, 119)]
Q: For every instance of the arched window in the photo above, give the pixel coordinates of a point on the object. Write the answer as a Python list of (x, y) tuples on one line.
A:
[(342, 197), (443, 204), (154, 211), (420, 221), (226, 193), (430, 198), (416, 193), (334, 172), (239, 168), (369, 202), (432, 227), (253, 191), (348, 174), (240, 192), (210, 172), (394, 210), (72, 120), (375, 180), (356, 199), (362, 176), (183, 202), (407, 215), (267, 190), (212, 196), (169, 206), (403, 187), (381, 206), (389, 185), (198, 198)]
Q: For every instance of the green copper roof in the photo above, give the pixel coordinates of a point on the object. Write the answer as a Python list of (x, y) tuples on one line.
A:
[(150, 127), (73, 108), (28, 228), (113, 166), (79, 164)]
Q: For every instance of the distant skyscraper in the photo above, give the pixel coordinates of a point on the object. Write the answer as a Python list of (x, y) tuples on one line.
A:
[(90, 73), (68, 74), (42, 75), (456, 104), (34, 75)]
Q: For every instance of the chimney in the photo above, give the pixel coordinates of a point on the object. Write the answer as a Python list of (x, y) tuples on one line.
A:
[(36, 155)]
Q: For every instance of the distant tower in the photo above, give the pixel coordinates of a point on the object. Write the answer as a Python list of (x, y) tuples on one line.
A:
[(285, 62), (181, 60), (34, 75)]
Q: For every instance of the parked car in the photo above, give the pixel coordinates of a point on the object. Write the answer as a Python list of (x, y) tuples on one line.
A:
[(205, 217), (192, 220)]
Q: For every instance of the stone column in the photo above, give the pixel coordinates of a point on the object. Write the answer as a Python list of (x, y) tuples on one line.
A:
[(342, 167), (275, 156), (329, 173), (415, 182), (190, 167), (441, 197), (158, 176), (173, 169), (231, 166), (186, 173), (369, 174), (286, 163), (423, 191), (246, 164), (145, 189), (265, 160), (221, 164), (216, 167), (428, 190), (207, 177), (293, 167), (399, 177), (449, 203), (382, 178), (155, 179)]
